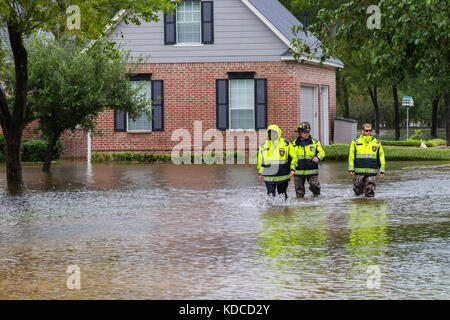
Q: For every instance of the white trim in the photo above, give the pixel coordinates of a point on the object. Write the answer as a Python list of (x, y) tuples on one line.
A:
[(282, 36), (119, 16), (109, 28), (315, 132), (229, 106), (188, 44), (267, 22), (138, 131), (89, 147), (325, 116), (313, 60)]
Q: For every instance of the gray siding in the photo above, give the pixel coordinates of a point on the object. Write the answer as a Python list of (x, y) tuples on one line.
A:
[(239, 35)]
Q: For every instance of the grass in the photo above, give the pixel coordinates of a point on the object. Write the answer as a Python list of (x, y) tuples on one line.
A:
[(340, 152)]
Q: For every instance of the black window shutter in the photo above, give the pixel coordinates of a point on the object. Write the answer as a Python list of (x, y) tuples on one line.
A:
[(222, 104), (170, 28), (120, 121), (260, 104), (207, 22), (158, 105)]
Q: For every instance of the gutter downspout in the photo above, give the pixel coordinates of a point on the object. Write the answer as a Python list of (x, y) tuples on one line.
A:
[(89, 147)]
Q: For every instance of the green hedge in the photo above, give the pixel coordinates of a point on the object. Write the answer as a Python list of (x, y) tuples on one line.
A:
[(129, 157), (34, 150), (341, 151), (414, 143), (152, 158)]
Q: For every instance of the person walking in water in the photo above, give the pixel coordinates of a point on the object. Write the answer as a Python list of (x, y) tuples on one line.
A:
[(365, 161), (276, 163), (309, 152)]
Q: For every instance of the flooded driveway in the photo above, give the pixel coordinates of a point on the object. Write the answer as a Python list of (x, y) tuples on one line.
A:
[(207, 232)]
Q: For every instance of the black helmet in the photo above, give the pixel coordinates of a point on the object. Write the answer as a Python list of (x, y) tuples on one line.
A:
[(304, 127)]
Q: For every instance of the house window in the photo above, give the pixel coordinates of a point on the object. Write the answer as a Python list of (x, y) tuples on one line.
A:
[(142, 123), (189, 22), (242, 104)]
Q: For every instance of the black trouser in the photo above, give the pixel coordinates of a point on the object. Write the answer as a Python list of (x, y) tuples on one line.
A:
[(280, 187)]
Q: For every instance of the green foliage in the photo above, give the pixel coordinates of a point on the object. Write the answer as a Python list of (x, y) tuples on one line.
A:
[(436, 143), (337, 152), (35, 150), (70, 87), (2, 143), (414, 143), (130, 157), (158, 158), (418, 134), (340, 152)]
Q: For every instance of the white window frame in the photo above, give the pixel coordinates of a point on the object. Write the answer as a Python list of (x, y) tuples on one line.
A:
[(151, 124), (189, 44), (229, 106)]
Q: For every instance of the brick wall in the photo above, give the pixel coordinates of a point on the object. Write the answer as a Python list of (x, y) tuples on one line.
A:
[(190, 95)]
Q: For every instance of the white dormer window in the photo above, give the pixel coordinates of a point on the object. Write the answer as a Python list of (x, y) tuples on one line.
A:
[(189, 22)]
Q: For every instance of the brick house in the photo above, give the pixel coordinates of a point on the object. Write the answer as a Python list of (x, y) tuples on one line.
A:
[(225, 63)]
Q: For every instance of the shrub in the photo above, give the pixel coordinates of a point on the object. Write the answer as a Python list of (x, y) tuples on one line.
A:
[(100, 157), (436, 143), (2, 143), (414, 143), (34, 150), (417, 135)]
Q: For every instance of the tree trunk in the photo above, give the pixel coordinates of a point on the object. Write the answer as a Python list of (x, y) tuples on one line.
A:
[(434, 115), (342, 94), (48, 155), (396, 113), (14, 123), (374, 96), (447, 105), (14, 175)]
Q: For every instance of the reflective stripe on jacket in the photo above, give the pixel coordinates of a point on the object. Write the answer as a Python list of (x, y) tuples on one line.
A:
[(275, 158), (305, 165), (366, 156)]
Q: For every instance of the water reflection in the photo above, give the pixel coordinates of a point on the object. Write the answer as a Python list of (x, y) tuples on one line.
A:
[(180, 232)]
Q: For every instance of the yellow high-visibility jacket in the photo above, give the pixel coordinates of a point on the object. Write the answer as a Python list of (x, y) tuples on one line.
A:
[(311, 149), (366, 156), (276, 159)]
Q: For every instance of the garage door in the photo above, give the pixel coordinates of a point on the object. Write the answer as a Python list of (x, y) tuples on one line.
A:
[(308, 108)]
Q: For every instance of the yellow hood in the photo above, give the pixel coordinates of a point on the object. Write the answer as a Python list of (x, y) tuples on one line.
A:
[(276, 128)]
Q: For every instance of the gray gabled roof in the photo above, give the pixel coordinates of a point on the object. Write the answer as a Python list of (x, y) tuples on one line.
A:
[(276, 13), (283, 20)]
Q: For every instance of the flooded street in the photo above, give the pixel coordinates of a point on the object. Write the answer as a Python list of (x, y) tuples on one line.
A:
[(207, 232)]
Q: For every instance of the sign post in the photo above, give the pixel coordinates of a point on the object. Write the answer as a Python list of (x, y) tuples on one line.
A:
[(407, 102)]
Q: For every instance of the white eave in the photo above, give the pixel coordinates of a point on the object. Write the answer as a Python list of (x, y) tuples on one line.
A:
[(285, 40)]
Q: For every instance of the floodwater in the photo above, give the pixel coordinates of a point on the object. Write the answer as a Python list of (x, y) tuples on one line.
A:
[(208, 232)]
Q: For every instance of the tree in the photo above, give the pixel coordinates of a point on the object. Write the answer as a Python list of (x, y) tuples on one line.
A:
[(23, 18), (70, 85), (413, 37)]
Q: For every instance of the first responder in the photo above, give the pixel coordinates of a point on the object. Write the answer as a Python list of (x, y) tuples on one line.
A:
[(275, 162), (365, 161), (309, 152)]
